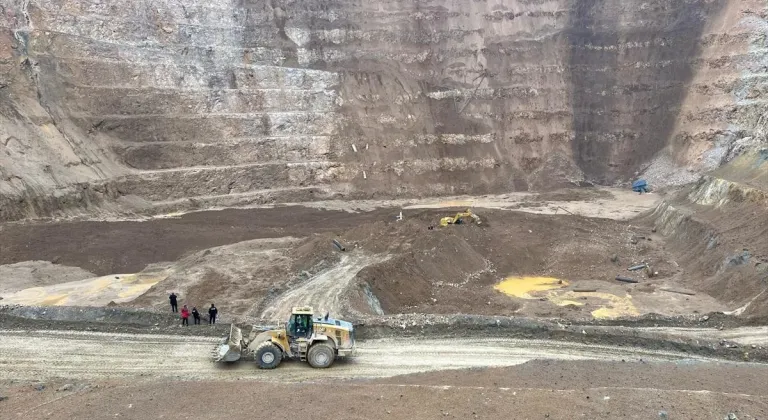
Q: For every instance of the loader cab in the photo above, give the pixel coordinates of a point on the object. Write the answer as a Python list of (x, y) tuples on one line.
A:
[(300, 323)]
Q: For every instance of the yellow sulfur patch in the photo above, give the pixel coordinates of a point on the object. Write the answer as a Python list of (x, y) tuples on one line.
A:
[(614, 307), (522, 287), (527, 287), (619, 307), (96, 291)]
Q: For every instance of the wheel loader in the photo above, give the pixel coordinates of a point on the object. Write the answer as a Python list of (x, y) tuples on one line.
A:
[(460, 218), (316, 340)]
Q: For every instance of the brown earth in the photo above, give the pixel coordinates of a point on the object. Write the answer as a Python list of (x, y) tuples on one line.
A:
[(239, 276), (27, 274), (442, 270), (129, 246), (733, 262), (720, 248), (558, 374), (453, 269), (535, 390)]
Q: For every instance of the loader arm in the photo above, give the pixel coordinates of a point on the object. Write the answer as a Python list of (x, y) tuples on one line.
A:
[(232, 348)]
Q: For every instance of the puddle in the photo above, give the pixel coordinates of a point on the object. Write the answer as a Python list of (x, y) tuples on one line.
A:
[(522, 287)]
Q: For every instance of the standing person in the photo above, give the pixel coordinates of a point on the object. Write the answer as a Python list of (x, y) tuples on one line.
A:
[(174, 305), (196, 315), (212, 314), (185, 316)]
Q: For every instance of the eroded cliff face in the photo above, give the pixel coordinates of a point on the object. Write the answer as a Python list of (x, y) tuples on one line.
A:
[(197, 103)]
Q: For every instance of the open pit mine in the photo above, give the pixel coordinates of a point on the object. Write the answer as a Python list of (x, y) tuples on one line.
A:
[(414, 208)]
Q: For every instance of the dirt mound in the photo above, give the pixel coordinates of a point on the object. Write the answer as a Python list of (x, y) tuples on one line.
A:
[(234, 277), (326, 291), (409, 281), (439, 270), (413, 268), (129, 246), (454, 269), (721, 250)]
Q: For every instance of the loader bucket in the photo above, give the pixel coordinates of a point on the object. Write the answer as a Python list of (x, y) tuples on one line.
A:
[(230, 350)]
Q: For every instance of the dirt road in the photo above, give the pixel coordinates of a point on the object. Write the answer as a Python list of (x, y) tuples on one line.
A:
[(603, 202), (107, 375), (325, 291), (39, 355), (745, 336)]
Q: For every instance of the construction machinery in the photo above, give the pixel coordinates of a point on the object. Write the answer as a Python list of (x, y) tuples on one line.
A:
[(640, 186), (460, 218), (316, 340)]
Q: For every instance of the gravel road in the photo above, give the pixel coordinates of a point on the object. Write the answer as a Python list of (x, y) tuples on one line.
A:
[(41, 355)]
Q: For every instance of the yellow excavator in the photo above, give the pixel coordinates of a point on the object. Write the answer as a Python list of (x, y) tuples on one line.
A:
[(460, 218)]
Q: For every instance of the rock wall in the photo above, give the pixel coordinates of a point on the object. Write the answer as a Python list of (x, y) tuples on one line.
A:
[(252, 101), (723, 111), (718, 233), (46, 162)]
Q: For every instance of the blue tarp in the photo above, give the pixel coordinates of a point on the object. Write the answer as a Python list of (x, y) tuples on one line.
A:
[(640, 186)]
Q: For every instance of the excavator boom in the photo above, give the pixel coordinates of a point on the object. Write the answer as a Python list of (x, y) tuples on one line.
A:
[(445, 221)]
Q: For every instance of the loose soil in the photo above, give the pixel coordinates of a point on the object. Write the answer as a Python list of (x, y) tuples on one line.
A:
[(270, 254), (721, 252), (414, 269), (129, 246), (454, 269), (535, 390)]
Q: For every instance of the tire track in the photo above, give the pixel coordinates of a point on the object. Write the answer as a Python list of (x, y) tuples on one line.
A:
[(325, 291), (41, 355)]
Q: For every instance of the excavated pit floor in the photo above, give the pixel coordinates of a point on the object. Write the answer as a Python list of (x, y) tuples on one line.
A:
[(556, 264), (260, 261)]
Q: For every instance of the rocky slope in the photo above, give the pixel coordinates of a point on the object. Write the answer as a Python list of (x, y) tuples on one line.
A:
[(197, 103), (718, 233)]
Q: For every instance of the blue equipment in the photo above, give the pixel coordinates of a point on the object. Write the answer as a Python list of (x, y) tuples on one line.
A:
[(640, 186)]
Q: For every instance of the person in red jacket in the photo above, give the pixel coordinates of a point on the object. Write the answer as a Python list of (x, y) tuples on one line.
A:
[(185, 316)]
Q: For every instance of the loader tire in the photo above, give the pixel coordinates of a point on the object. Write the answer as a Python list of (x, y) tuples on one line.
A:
[(321, 355), (268, 355)]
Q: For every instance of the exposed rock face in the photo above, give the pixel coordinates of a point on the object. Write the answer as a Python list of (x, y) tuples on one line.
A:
[(284, 100)]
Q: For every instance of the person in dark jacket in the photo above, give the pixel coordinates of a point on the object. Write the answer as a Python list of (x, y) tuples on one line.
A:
[(212, 312), (174, 305), (185, 316), (196, 315)]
